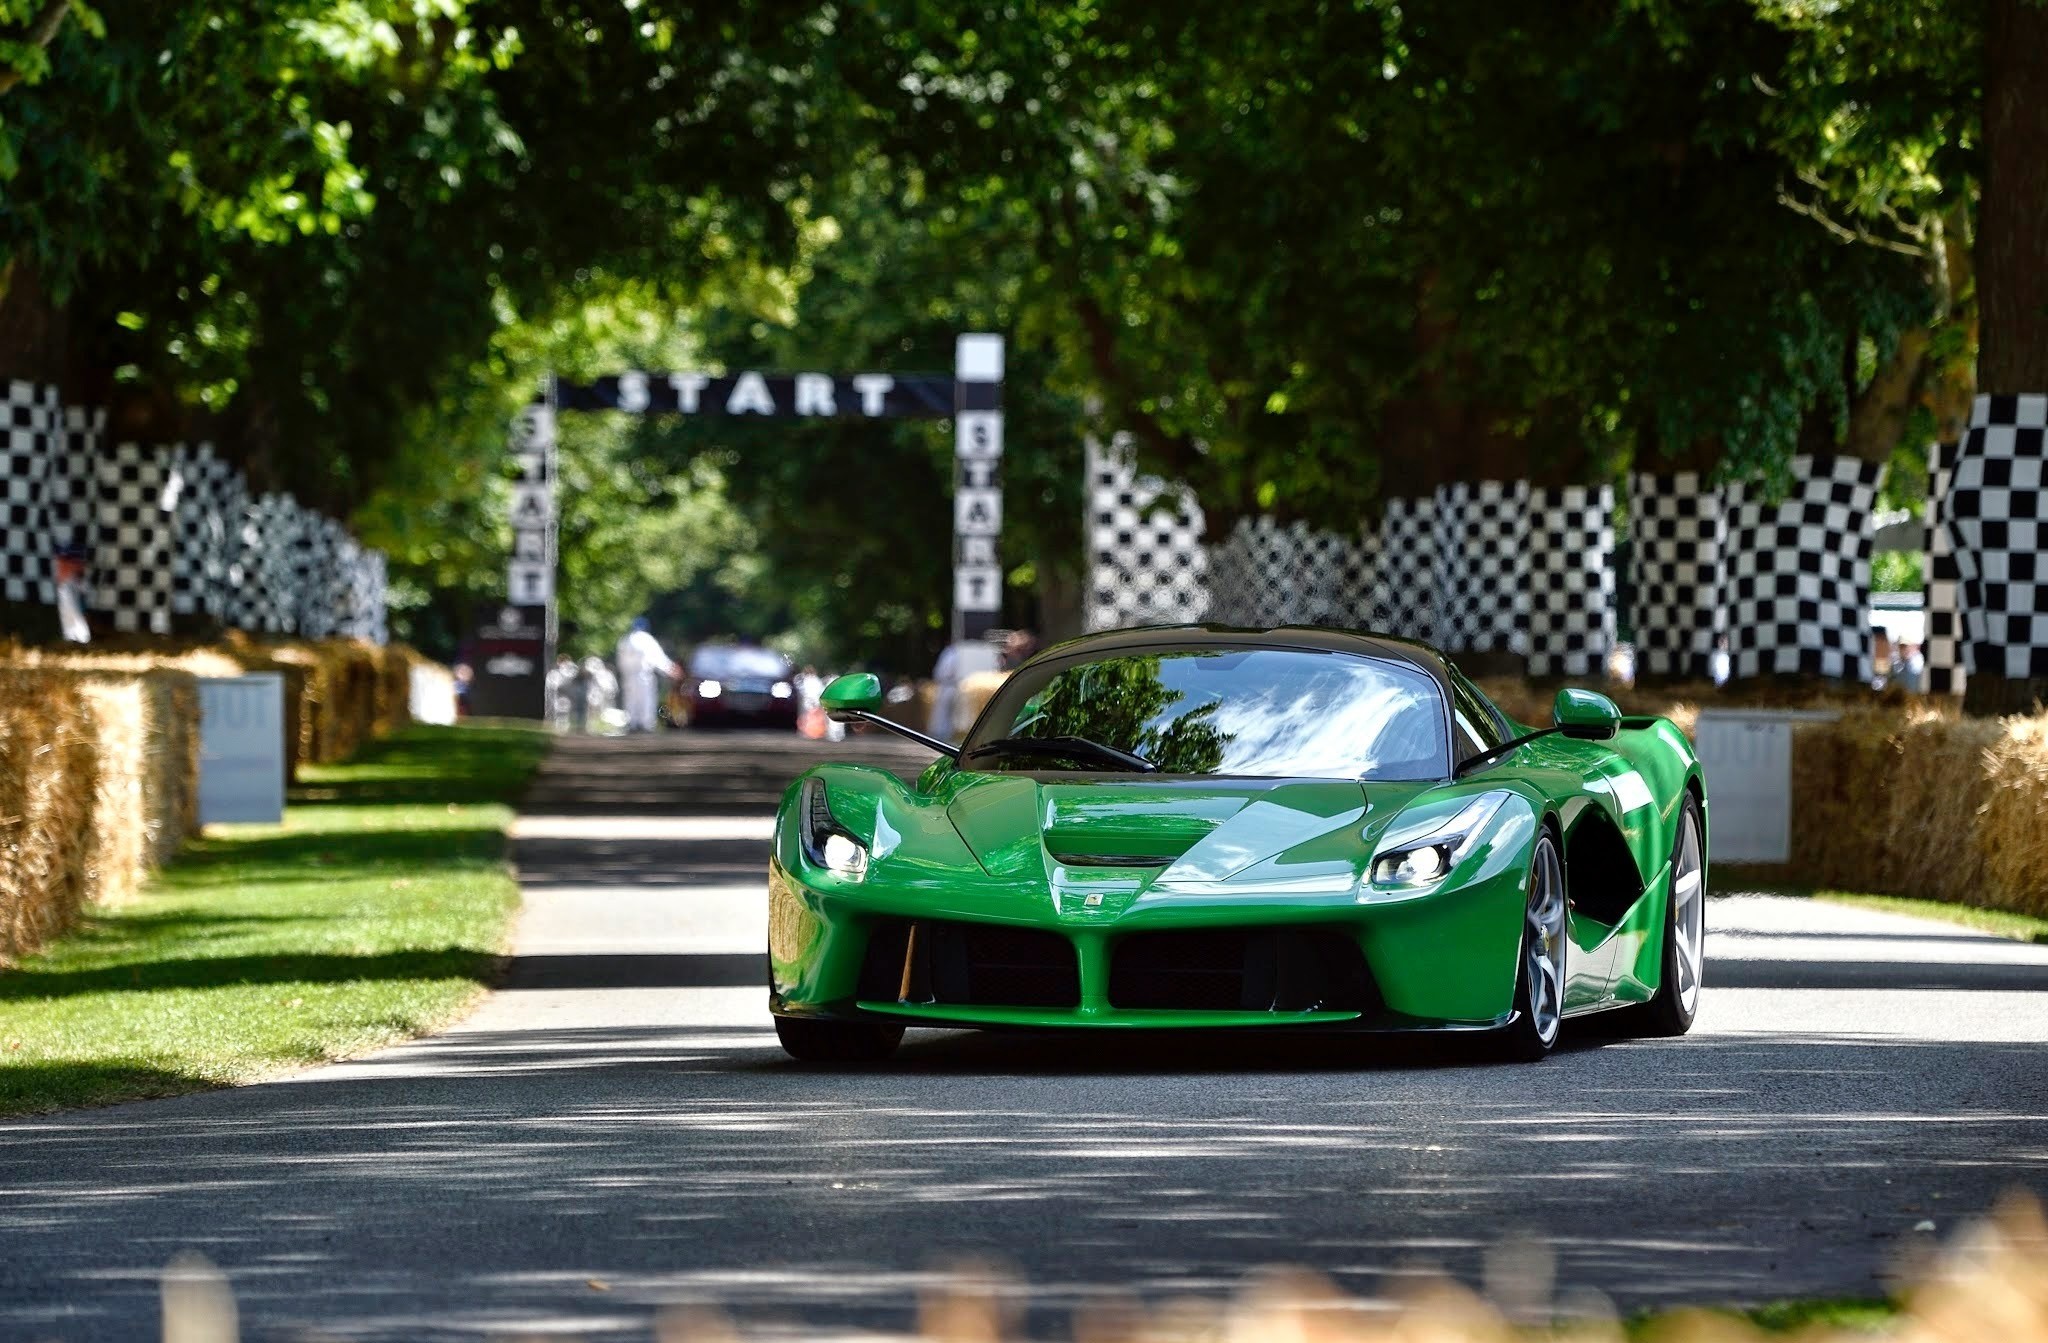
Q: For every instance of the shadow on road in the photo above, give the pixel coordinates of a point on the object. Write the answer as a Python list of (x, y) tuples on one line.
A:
[(775, 1187)]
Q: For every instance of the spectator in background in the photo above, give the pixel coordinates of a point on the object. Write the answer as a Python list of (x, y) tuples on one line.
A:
[(641, 660), (600, 690), (1017, 649), (1910, 668), (565, 695), (1720, 663)]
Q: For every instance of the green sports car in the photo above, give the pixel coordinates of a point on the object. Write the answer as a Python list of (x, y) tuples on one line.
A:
[(1198, 828)]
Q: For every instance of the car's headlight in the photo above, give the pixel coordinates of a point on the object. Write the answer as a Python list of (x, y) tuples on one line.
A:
[(827, 843), (780, 690), (709, 690), (1410, 860)]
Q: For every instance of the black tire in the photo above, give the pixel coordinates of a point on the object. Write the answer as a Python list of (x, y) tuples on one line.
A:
[(1531, 1036), (1668, 1014), (811, 1040)]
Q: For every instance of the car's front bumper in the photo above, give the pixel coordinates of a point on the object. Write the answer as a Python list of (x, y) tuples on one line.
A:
[(1444, 961)]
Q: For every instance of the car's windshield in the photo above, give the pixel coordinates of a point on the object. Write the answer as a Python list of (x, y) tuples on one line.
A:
[(731, 662), (1259, 712)]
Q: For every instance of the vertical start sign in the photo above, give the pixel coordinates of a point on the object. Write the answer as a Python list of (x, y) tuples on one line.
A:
[(514, 643), (977, 484)]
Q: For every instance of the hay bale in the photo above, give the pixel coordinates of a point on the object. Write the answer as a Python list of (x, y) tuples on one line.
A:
[(2013, 825), (1936, 800), (116, 836), (46, 797)]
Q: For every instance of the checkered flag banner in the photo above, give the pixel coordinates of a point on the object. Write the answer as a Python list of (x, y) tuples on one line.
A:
[(34, 428), (133, 534), (1570, 580), (1481, 566), (371, 617), (1403, 600), (1796, 572), (315, 556), (1146, 562), (1946, 650), (1996, 531), (210, 500), (266, 602), (1271, 573), (1677, 534)]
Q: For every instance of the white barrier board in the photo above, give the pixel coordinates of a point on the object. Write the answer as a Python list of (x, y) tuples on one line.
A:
[(241, 748), (1747, 758), (431, 696)]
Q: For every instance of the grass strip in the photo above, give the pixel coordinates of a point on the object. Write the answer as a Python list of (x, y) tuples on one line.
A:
[(2004, 923), (1816, 1317), (374, 912)]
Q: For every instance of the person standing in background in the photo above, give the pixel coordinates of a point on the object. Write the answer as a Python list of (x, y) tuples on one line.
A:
[(641, 660)]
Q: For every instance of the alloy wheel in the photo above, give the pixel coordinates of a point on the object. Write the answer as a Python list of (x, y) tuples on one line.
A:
[(1688, 912), (1543, 942)]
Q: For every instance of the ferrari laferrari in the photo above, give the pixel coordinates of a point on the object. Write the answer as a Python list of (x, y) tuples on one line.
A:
[(1204, 828)]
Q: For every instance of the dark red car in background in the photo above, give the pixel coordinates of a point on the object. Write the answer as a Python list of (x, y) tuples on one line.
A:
[(737, 684)]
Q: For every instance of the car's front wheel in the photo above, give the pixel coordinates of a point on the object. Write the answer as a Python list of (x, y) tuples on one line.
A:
[(814, 1041), (1539, 979)]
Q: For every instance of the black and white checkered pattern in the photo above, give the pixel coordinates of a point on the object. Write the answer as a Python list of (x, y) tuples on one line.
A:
[(368, 617), (267, 599), (1146, 562), (32, 421), (1996, 528), (314, 560), (1269, 573), (1796, 572), (71, 495), (132, 539), (1570, 580), (1482, 541), (1404, 581), (1677, 534), (210, 498), (1946, 649)]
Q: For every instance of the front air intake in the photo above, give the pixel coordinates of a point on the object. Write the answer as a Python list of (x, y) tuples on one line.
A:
[(952, 963), (1242, 970)]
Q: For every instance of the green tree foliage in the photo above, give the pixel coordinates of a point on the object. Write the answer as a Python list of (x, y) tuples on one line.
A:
[(1309, 255)]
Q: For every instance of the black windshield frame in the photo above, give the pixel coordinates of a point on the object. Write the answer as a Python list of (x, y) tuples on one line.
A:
[(1002, 704)]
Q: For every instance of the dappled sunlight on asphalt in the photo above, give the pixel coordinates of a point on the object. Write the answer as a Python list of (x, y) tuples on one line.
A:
[(621, 1114)]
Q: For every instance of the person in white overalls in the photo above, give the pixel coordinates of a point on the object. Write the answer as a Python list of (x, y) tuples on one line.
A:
[(641, 661)]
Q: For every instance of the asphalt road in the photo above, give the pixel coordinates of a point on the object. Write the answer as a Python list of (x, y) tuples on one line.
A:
[(616, 1130)]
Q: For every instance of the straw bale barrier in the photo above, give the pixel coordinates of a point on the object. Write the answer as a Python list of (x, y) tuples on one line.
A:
[(47, 785), (99, 757)]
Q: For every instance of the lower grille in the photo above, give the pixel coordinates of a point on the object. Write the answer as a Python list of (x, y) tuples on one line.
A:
[(1242, 970), (969, 965)]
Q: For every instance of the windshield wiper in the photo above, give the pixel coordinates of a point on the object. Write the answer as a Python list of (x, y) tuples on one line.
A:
[(1070, 748)]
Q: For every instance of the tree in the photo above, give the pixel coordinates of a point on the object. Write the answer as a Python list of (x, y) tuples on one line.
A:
[(2012, 254)]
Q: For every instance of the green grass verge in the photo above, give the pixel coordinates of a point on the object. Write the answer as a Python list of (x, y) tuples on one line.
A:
[(376, 911), (1844, 1315), (2020, 927)]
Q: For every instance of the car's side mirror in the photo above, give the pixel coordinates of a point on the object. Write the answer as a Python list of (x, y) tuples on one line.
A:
[(854, 693), (1586, 715)]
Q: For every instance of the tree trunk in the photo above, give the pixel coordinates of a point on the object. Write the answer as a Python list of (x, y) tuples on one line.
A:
[(2012, 253)]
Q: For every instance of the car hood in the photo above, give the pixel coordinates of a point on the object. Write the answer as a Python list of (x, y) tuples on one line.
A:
[(1171, 833)]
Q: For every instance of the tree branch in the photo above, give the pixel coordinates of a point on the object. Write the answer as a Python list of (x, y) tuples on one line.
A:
[(1843, 233), (40, 34)]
